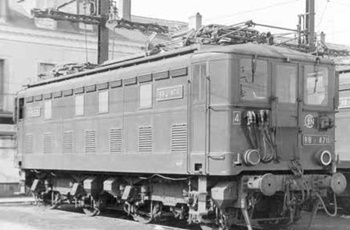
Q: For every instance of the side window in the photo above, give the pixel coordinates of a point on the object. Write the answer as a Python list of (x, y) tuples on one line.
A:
[(253, 79), (21, 108), (103, 101), (48, 109), (146, 96), (344, 99), (286, 83), (79, 105), (316, 85), (198, 82)]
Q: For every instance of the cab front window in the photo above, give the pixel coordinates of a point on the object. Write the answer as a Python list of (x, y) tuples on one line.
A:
[(253, 79), (316, 85)]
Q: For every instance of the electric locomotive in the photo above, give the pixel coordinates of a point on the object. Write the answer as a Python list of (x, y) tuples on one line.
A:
[(342, 131), (215, 135)]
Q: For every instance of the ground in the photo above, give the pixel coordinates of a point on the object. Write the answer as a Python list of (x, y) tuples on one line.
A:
[(22, 216)]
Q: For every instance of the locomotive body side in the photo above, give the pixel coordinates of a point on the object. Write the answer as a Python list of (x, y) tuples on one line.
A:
[(204, 135)]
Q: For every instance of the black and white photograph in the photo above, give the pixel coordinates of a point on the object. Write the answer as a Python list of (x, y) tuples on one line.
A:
[(174, 115)]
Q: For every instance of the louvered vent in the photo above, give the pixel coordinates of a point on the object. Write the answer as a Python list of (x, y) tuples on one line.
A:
[(68, 142), (90, 141), (47, 143), (145, 139), (28, 148), (115, 140), (178, 138)]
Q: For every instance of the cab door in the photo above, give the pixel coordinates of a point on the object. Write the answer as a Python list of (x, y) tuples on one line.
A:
[(197, 159), (285, 108)]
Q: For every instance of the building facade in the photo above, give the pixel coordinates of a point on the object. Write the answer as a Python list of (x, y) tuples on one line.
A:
[(30, 47)]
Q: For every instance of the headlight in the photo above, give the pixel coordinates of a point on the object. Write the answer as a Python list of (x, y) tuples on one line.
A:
[(251, 157), (324, 158)]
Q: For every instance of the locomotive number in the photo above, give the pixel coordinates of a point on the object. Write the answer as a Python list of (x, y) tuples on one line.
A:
[(316, 140)]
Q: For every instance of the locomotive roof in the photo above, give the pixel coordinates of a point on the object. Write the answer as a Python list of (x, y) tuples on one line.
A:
[(260, 50), (264, 50)]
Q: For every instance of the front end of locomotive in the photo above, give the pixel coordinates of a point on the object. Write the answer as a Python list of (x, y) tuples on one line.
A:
[(284, 121)]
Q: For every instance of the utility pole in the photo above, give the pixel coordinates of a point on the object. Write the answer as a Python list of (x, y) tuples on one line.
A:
[(310, 24), (103, 32)]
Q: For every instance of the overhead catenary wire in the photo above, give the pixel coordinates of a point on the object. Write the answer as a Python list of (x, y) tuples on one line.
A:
[(323, 13), (252, 10)]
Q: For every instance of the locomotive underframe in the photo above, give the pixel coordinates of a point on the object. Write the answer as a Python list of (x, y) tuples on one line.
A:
[(269, 200)]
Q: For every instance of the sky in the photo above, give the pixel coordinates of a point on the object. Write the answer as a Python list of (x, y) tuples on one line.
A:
[(332, 16)]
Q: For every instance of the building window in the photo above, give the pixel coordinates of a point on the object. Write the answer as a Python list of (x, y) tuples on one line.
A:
[(103, 102), (145, 96), (48, 109), (79, 105)]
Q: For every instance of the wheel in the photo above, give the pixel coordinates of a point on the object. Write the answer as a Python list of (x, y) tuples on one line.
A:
[(148, 212), (50, 199), (209, 227), (90, 208), (144, 218), (91, 211)]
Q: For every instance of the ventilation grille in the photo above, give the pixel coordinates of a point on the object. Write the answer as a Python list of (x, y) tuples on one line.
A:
[(90, 141), (115, 140), (68, 142), (47, 143), (28, 148), (178, 138), (145, 139)]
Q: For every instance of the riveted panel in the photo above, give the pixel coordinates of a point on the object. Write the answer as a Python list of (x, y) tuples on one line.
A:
[(115, 140), (179, 138), (145, 139)]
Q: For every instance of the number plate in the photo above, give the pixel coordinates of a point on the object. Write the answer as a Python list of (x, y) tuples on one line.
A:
[(309, 139)]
